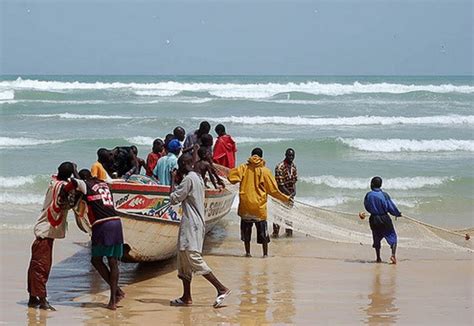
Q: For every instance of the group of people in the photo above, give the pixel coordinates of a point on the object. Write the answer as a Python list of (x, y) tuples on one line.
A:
[(182, 162)]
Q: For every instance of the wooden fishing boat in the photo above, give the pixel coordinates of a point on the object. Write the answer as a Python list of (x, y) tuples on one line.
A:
[(150, 223)]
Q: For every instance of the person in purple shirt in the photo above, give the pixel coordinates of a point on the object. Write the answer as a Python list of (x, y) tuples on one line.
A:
[(379, 205)]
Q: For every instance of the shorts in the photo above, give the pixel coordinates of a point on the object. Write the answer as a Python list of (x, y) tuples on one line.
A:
[(189, 263), (246, 231), (115, 251), (382, 227)]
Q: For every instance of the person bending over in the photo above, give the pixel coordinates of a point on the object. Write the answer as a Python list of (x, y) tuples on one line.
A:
[(204, 166)]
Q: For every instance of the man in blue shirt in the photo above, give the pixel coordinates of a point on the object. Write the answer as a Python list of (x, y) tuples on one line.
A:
[(168, 163), (379, 204)]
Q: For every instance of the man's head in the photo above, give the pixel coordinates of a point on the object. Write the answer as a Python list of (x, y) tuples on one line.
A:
[(204, 153), (204, 128), (134, 149), (85, 174), (207, 140), (103, 155), (168, 138), (65, 171), (375, 183), (290, 155), (179, 133), (257, 151), (157, 146), (220, 129), (174, 146), (185, 163)]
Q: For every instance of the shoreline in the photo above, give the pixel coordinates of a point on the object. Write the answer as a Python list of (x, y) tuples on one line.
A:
[(305, 280)]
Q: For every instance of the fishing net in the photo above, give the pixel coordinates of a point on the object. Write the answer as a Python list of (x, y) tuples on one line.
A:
[(349, 228)]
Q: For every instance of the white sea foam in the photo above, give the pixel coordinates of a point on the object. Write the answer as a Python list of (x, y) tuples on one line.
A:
[(403, 183), (16, 227), (324, 202), (23, 141), (232, 90), (141, 140), (409, 145), (243, 140), (17, 181), (72, 116), (343, 121), (7, 95), (157, 92), (20, 198)]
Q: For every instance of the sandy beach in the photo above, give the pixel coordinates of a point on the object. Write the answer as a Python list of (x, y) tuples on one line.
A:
[(304, 281)]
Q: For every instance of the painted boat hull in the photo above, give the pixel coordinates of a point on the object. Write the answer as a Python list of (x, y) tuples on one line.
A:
[(150, 223)]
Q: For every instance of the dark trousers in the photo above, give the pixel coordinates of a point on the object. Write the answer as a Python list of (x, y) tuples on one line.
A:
[(40, 266)]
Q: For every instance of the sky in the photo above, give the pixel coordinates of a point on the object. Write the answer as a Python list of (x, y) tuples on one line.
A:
[(260, 37)]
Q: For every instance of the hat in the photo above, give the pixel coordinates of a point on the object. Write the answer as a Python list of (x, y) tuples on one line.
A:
[(174, 145)]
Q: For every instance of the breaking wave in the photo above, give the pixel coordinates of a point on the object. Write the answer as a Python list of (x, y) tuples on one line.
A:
[(143, 140), (409, 145), (73, 116), (21, 199), (403, 183), (343, 121), (17, 181), (23, 141), (7, 95), (236, 90)]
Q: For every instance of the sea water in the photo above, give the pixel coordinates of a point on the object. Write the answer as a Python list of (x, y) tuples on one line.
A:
[(414, 132)]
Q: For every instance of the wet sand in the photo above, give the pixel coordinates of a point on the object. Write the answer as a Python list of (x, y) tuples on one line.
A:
[(304, 281)]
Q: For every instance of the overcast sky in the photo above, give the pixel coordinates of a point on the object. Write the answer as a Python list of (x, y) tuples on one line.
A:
[(237, 37)]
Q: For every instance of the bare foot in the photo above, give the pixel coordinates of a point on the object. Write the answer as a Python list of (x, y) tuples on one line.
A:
[(120, 295), (378, 260), (112, 306), (248, 255), (265, 256), (393, 260)]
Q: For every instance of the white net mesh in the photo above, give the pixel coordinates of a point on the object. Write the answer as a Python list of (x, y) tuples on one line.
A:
[(346, 227), (349, 228)]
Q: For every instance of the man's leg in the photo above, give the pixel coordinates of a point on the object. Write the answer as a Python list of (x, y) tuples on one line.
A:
[(377, 238), (247, 249), (38, 272), (276, 230), (393, 258), (262, 236), (246, 235), (221, 289), (114, 277), (265, 249), (187, 298), (104, 272)]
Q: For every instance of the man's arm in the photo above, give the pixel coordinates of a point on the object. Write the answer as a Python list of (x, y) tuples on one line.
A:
[(181, 192), (391, 207), (272, 188), (235, 174), (280, 180)]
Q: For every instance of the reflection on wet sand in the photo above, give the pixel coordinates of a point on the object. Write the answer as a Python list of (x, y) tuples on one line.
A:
[(265, 296), (382, 308)]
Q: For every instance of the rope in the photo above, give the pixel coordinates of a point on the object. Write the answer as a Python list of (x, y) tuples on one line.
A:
[(465, 236)]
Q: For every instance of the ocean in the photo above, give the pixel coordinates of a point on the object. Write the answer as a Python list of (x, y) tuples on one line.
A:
[(414, 132)]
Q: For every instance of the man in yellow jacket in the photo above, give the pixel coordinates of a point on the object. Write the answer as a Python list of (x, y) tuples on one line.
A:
[(256, 183)]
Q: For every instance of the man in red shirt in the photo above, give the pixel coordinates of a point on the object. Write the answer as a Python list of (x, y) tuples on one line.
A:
[(224, 149), (154, 156)]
